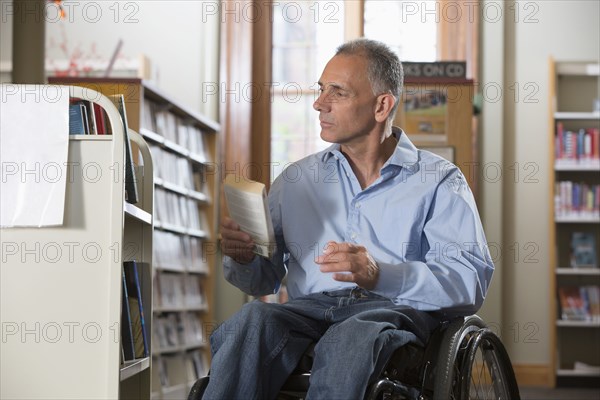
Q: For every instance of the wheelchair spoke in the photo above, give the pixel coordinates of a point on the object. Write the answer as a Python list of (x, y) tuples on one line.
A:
[(487, 371), (482, 379)]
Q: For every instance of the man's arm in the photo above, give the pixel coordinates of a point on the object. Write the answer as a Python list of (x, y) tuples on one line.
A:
[(252, 274), (455, 268)]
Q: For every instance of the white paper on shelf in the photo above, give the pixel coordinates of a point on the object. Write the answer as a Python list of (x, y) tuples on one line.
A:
[(34, 144)]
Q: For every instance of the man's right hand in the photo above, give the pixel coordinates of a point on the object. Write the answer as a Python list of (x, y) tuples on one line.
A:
[(235, 243)]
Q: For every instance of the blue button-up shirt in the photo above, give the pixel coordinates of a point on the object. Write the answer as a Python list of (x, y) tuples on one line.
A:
[(418, 220)]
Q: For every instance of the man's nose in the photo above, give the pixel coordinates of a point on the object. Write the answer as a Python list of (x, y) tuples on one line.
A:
[(320, 103)]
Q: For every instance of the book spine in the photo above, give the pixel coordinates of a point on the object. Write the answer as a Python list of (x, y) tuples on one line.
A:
[(134, 271), (126, 332), (595, 143), (559, 150)]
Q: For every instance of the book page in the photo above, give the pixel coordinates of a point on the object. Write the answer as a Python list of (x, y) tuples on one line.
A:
[(248, 207)]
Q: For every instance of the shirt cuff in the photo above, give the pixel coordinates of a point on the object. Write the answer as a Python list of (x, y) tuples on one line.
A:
[(240, 274), (390, 281)]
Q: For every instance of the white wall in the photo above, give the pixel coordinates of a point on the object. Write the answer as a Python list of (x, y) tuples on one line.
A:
[(531, 32), (179, 37)]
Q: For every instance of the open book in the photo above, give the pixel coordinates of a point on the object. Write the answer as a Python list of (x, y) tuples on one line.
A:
[(248, 206)]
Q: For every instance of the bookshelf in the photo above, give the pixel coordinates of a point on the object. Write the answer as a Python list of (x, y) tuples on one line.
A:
[(437, 115), (68, 309), (574, 222), (184, 146)]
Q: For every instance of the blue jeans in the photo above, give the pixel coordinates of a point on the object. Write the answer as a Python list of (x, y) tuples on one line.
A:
[(356, 332)]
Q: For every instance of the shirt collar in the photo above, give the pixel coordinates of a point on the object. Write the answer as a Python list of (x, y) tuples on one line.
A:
[(404, 155)]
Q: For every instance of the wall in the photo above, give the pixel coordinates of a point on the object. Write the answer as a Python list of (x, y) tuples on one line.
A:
[(526, 35), (179, 37)]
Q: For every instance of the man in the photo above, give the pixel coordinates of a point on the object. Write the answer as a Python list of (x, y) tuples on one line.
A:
[(378, 239)]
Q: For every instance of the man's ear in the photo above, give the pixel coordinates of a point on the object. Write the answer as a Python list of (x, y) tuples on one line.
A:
[(385, 104)]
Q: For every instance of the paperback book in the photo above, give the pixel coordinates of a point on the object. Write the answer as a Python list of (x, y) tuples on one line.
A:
[(583, 250), (248, 207)]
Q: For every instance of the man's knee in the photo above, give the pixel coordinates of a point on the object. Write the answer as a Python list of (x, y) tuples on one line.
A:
[(248, 324)]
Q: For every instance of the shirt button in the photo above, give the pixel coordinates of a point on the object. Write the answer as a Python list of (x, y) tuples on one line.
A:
[(357, 205), (353, 236)]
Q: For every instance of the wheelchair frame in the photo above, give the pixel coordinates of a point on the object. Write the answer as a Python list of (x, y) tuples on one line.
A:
[(442, 370)]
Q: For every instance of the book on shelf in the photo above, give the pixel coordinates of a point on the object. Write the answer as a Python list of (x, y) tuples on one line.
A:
[(581, 145), (168, 331), (194, 334), (576, 199), (583, 250), (91, 117), (148, 120), (580, 366), (162, 372), (136, 309), (126, 332), (77, 119), (100, 119), (571, 304), (172, 373), (424, 115), (171, 290), (579, 303), (131, 192), (166, 123), (197, 366), (194, 296), (87, 118), (248, 207)]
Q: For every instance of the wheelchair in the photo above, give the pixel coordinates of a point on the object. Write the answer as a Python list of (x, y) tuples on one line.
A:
[(462, 360)]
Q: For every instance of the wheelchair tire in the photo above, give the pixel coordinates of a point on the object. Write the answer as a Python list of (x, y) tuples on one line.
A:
[(447, 372), (486, 371), (198, 389)]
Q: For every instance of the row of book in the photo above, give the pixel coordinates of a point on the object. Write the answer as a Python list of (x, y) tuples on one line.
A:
[(175, 209), (180, 252), (576, 199), (172, 330), (179, 369), (162, 121), (579, 303), (581, 145), (177, 170), (584, 252), (89, 118), (134, 339), (173, 291)]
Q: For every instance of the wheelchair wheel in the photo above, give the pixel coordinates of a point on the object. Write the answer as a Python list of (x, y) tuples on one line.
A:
[(486, 371), (198, 389), (454, 343)]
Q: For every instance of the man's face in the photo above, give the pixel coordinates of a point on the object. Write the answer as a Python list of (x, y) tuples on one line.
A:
[(346, 103)]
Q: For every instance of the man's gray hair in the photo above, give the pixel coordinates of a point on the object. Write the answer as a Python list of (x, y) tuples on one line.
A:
[(384, 68)]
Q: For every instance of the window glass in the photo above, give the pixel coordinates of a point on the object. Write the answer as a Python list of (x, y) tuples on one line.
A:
[(409, 27), (305, 36)]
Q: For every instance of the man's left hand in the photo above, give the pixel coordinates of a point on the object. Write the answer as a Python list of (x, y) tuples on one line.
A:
[(349, 263)]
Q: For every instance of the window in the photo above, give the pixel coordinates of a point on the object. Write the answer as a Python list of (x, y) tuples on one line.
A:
[(305, 35), (408, 27)]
